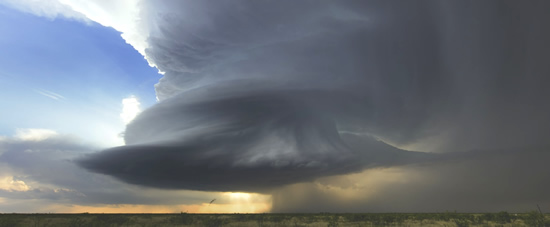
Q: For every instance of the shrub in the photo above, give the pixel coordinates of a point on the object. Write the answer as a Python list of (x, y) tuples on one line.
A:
[(534, 219), (503, 217), (181, 219)]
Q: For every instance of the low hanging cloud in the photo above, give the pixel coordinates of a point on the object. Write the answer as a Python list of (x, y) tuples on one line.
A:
[(261, 94), (244, 142), (37, 165)]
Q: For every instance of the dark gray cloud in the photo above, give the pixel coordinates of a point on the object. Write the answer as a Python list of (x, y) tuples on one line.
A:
[(259, 94), (47, 169), (244, 141)]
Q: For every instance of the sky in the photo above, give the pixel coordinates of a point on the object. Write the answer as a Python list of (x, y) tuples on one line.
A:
[(274, 106)]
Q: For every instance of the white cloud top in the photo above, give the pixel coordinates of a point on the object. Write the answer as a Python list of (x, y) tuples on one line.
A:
[(46, 8), (130, 109), (122, 15)]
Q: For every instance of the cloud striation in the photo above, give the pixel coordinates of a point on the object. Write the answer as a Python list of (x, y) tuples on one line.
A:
[(261, 94)]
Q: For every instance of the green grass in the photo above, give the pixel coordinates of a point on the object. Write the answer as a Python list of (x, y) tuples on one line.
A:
[(501, 219)]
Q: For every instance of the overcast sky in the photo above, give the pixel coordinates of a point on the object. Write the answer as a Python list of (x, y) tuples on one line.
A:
[(282, 106)]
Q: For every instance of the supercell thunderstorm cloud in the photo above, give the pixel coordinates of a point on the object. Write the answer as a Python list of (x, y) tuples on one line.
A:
[(261, 94)]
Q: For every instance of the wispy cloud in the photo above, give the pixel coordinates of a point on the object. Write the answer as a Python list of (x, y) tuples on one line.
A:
[(50, 94)]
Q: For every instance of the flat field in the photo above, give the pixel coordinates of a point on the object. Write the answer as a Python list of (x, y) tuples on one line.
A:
[(291, 219)]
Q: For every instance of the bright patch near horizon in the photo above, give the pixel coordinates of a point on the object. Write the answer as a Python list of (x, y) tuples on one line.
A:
[(9, 183), (34, 134), (239, 195)]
